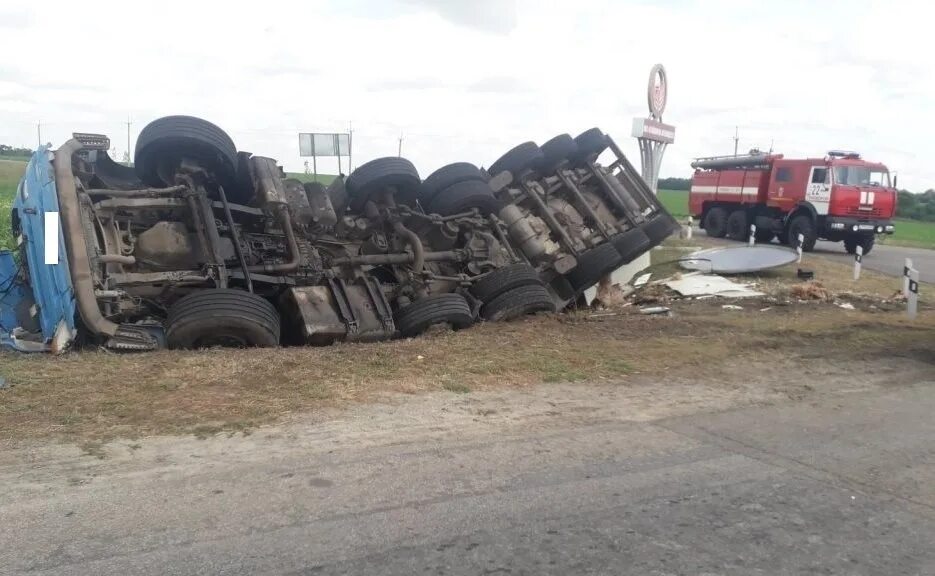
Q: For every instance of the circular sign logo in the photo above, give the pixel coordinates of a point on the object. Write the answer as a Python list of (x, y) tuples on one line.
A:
[(658, 91)]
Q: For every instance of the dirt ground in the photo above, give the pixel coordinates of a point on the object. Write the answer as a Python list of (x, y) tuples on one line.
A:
[(94, 396)]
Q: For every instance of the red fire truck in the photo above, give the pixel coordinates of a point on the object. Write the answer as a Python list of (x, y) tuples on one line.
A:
[(841, 198)]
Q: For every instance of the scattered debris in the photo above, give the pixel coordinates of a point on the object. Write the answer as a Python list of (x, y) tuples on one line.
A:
[(642, 279), (767, 309), (810, 291), (739, 259), (655, 310), (710, 284), (805, 274), (731, 307), (3, 383), (846, 305)]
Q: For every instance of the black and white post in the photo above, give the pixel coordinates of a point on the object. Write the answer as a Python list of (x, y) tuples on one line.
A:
[(912, 303), (752, 240), (798, 245), (858, 256), (906, 270)]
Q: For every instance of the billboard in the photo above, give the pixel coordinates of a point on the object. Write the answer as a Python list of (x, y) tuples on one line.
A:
[(318, 144)]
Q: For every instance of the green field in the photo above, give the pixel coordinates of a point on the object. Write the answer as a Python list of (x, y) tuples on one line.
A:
[(10, 173), (675, 201)]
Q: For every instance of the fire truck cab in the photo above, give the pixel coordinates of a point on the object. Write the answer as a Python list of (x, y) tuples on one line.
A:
[(840, 197)]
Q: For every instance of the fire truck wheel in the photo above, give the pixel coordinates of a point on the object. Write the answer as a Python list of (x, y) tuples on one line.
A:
[(222, 317), (802, 224), (519, 160), (448, 176), (715, 222), (737, 225), (556, 151), (590, 142), (503, 280), (451, 309), (764, 235), (463, 197), (376, 176), (518, 302), (865, 241)]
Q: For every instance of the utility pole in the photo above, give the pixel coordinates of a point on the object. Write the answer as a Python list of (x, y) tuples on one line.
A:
[(129, 158), (736, 139), (400, 151), (39, 132), (350, 147)]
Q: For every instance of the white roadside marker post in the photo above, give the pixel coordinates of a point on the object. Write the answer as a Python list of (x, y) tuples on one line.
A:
[(752, 234), (798, 246), (912, 306), (906, 270), (858, 256), (688, 233)]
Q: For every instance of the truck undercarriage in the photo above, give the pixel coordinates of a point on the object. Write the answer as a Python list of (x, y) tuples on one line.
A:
[(200, 244)]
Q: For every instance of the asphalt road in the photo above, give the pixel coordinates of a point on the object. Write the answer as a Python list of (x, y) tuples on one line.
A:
[(886, 259), (883, 258), (841, 484)]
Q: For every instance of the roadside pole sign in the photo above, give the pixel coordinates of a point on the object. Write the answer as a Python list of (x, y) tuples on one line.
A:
[(858, 256), (912, 305), (906, 269)]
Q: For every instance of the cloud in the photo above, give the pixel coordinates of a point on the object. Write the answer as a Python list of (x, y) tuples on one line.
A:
[(405, 84), (468, 80), (499, 85), (497, 16)]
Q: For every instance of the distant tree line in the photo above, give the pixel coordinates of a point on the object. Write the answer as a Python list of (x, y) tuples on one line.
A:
[(916, 206), (14, 151), (674, 184)]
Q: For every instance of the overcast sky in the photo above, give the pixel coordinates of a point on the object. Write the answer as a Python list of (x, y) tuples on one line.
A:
[(468, 79)]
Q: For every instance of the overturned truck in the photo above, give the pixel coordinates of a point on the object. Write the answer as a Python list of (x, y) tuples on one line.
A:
[(201, 245)]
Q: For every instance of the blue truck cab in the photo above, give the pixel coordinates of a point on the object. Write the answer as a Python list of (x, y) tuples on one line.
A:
[(37, 300)]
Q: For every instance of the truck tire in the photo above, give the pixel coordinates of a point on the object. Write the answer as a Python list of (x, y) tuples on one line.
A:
[(222, 317), (451, 309), (715, 222), (503, 280), (375, 176), (463, 197), (593, 265), (660, 227), (737, 225), (557, 151), (163, 143), (518, 302), (448, 176), (865, 241), (804, 225), (590, 142), (518, 161), (631, 244)]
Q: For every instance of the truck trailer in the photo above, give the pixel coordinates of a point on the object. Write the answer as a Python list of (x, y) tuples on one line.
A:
[(839, 197), (200, 244)]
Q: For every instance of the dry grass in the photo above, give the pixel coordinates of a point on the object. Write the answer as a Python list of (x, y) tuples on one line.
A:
[(95, 396)]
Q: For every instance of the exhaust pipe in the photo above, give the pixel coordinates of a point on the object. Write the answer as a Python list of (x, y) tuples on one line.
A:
[(79, 263)]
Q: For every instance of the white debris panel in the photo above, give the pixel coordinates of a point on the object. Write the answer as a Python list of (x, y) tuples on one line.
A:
[(711, 285)]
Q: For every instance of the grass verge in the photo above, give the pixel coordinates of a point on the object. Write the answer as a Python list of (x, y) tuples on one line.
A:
[(94, 396)]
